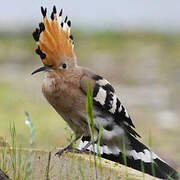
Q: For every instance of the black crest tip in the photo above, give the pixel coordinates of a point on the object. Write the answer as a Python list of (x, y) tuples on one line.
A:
[(65, 19), (69, 23), (40, 53), (43, 11), (41, 26), (52, 16), (36, 34), (62, 24), (54, 9), (60, 14), (43, 55), (71, 37)]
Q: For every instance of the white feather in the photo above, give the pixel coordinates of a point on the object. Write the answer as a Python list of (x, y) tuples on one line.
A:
[(145, 156), (60, 20), (101, 96), (106, 150), (120, 108), (113, 109), (102, 149), (102, 82), (126, 113), (65, 26), (81, 144)]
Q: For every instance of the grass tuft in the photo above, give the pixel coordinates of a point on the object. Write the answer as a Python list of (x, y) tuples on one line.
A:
[(14, 149), (152, 161), (31, 142), (90, 117)]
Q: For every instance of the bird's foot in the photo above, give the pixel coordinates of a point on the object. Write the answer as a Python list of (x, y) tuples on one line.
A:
[(69, 148)]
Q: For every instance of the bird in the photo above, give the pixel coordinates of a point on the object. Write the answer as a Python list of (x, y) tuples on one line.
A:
[(65, 88)]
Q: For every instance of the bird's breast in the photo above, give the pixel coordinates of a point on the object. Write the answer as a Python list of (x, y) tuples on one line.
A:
[(65, 96)]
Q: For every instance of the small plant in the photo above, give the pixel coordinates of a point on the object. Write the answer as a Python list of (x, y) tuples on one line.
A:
[(124, 153), (142, 169), (90, 118), (31, 142), (70, 137), (14, 149), (21, 164), (99, 139), (89, 113), (4, 149), (81, 171), (152, 161)]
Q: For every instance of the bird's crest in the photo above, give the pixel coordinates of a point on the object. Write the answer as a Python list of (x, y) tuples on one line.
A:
[(53, 38)]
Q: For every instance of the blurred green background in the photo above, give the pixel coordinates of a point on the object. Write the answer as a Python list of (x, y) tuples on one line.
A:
[(143, 65)]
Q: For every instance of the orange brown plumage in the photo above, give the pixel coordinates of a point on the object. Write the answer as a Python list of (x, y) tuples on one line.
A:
[(54, 39)]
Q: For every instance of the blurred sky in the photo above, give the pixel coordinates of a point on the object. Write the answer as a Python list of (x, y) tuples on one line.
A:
[(159, 15)]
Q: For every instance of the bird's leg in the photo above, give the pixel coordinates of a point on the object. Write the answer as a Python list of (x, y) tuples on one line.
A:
[(68, 148)]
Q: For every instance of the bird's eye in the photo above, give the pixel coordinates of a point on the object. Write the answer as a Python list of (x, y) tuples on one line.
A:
[(64, 66)]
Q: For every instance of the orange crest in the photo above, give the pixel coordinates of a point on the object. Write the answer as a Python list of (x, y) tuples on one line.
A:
[(53, 38)]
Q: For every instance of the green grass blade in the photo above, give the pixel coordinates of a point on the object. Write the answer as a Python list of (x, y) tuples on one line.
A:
[(99, 139), (29, 123)]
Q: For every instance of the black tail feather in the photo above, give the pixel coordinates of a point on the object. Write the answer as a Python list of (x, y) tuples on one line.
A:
[(158, 169), (140, 158)]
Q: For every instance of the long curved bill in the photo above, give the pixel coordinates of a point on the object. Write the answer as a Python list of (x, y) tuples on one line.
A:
[(44, 68)]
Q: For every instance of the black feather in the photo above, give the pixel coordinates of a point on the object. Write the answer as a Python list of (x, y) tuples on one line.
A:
[(65, 19), (118, 103), (123, 116), (40, 53), (132, 131), (36, 34), (60, 14), (108, 127), (52, 16), (135, 164), (54, 10), (108, 100), (71, 37), (69, 23), (43, 11), (41, 27), (97, 77), (86, 138), (108, 87), (96, 90)]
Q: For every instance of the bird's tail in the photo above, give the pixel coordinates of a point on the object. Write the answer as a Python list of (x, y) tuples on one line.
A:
[(139, 158), (142, 159)]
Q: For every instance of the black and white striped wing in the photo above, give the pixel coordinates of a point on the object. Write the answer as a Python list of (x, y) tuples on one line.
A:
[(117, 121), (104, 97)]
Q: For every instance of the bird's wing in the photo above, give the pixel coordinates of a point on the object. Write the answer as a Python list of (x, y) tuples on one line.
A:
[(111, 110), (105, 100)]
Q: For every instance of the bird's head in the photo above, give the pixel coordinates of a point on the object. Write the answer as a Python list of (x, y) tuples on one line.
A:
[(55, 43)]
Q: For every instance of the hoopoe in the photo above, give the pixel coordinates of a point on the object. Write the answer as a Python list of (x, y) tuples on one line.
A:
[(64, 87)]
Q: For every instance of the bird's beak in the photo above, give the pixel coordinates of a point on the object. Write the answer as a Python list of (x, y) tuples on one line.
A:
[(44, 68)]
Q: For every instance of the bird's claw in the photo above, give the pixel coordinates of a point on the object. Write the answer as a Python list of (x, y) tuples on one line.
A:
[(67, 149), (59, 153), (72, 150)]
